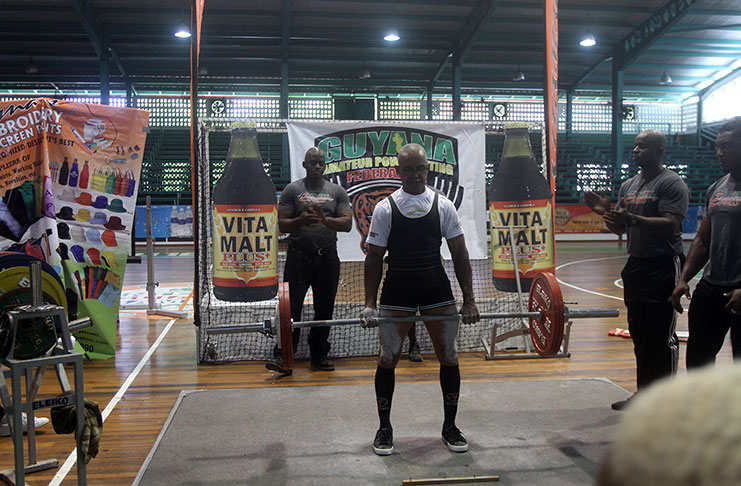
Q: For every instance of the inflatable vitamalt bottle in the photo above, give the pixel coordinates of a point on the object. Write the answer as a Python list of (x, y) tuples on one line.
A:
[(245, 224), (519, 196)]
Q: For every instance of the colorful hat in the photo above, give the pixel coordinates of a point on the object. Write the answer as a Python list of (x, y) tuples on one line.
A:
[(94, 256), (101, 202), (63, 252), (65, 213), (82, 215), (109, 238), (93, 236), (99, 218), (63, 231), (84, 198), (78, 253), (116, 206), (77, 233), (67, 195), (115, 224), (109, 258), (33, 248)]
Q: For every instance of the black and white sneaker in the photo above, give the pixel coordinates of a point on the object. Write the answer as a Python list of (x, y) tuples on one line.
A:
[(383, 445), (453, 438)]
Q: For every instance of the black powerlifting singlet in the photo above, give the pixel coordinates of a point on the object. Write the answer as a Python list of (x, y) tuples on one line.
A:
[(414, 243)]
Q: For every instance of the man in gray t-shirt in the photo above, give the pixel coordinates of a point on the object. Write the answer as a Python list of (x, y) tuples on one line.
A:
[(650, 208), (716, 302), (312, 210)]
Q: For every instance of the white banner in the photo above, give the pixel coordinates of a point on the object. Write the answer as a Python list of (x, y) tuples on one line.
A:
[(362, 158)]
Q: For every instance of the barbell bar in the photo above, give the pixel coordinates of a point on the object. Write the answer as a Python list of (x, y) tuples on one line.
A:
[(268, 326), (546, 313), (568, 315)]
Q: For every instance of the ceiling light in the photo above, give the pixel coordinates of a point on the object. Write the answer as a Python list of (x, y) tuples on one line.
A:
[(32, 68), (202, 70), (519, 75), (588, 40), (392, 36), (183, 31), (364, 74), (665, 78)]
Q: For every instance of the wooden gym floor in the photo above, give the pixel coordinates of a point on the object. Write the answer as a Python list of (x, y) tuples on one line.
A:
[(155, 360)]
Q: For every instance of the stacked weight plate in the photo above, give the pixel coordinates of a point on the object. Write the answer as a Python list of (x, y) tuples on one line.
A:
[(34, 337)]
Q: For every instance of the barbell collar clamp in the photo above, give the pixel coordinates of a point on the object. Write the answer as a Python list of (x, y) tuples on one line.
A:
[(265, 327)]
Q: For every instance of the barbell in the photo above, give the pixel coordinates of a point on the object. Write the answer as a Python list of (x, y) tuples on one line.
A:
[(547, 315)]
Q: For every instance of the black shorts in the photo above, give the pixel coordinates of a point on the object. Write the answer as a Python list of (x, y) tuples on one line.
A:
[(409, 291)]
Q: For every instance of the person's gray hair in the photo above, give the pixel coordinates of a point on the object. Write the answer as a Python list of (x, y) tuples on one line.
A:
[(682, 431), (411, 149)]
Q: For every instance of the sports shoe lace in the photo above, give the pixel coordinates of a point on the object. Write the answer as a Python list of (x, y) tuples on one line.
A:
[(453, 435)]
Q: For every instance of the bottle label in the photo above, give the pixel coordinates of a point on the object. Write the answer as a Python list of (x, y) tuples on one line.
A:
[(245, 245), (533, 244)]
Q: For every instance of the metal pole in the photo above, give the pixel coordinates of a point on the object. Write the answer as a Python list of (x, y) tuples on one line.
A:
[(576, 314), (36, 296), (151, 284), (267, 326), (513, 249), (152, 307)]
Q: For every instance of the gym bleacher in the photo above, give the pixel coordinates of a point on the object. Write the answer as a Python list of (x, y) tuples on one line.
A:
[(583, 159)]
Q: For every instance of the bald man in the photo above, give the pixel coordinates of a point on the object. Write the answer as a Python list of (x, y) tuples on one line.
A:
[(411, 223), (312, 210), (650, 209)]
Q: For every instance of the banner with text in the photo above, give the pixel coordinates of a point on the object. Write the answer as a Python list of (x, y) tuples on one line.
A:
[(362, 158), (578, 218), (69, 174)]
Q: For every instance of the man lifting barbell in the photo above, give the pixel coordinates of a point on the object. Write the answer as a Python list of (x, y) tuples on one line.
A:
[(410, 224)]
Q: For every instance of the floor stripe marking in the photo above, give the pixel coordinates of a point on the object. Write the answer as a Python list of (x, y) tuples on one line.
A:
[(586, 290), (72, 458)]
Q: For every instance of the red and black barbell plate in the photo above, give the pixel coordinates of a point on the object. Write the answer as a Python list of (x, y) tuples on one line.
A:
[(286, 326), (546, 298)]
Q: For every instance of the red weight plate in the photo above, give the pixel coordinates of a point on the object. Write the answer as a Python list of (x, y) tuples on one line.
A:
[(286, 325), (545, 297)]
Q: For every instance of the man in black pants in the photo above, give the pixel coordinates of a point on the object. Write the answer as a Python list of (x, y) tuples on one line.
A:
[(716, 303), (313, 210), (410, 223), (650, 208)]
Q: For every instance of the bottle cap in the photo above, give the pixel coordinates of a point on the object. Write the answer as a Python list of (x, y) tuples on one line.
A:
[(243, 125), (510, 125)]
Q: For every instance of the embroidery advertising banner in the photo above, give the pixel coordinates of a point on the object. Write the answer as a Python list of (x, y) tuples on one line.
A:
[(69, 175)]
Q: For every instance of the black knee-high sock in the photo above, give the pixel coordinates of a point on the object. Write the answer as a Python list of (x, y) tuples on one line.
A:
[(450, 382), (385, 381)]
